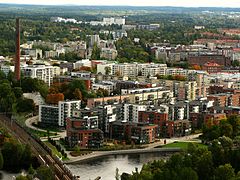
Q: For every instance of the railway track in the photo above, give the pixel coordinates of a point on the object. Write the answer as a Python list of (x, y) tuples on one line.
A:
[(42, 152)]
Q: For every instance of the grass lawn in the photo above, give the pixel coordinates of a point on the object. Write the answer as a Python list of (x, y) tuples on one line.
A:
[(40, 133), (53, 148), (183, 145), (55, 151)]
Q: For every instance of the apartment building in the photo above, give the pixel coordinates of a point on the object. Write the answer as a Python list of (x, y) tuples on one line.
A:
[(106, 85), (125, 69), (56, 115), (131, 112), (108, 53), (42, 72), (84, 132), (154, 69)]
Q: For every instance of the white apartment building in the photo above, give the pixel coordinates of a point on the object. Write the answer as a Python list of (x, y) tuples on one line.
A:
[(7, 69), (111, 20), (154, 69), (65, 109), (140, 96), (125, 69), (56, 115), (109, 86), (34, 53), (42, 72), (111, 116), (83, 62), (50, 54), (131, 112), (176, 71), (80, 74), (101, 68), (94, 39)]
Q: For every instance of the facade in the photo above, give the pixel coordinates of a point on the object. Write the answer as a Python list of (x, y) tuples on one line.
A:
[(154, 69), (84, 133), (56, 115), (202, 59), (108, 53), (42, 72), (7, 69), (131, 112), (212, 67), (125, 70), (48, 115), (138, 133), (109, 86)]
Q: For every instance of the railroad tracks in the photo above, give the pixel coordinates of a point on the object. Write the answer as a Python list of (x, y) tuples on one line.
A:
[(42, 152)]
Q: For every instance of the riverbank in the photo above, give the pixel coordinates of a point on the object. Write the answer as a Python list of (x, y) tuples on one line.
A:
[(98, 154), (149, 148)]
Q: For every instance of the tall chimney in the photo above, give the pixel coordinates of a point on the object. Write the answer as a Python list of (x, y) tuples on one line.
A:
[(17, 58)]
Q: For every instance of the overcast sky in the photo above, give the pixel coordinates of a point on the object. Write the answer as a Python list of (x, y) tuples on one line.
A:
[(186, 3)]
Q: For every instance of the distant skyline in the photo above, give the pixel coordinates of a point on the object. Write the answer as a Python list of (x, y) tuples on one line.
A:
[(181, 3)]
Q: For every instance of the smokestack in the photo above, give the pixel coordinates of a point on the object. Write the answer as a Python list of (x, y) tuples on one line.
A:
[(17, 58)]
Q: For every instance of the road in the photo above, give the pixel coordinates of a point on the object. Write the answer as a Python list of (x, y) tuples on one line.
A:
[(37, 148)]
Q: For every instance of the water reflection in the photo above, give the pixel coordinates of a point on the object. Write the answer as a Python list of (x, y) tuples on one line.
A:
[(105, 167)]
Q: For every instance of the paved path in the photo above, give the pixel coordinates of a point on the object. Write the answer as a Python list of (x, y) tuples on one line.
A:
[(34, 119), (98, 154), (149, 149), (189, 138)]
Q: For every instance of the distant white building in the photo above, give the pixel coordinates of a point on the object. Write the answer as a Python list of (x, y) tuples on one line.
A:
[(94, 39), (109, 86), (108, 53), (81, 63), (102, 68), (6, 69), (154, 69), (199, 27)]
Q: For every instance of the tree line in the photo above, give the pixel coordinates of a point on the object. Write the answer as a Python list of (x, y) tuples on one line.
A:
[(219, 161)]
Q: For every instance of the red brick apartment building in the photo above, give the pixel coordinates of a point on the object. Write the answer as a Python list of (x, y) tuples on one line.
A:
[(138, 133), (203, 59), (213, 118), (79, 134), (212, 67)]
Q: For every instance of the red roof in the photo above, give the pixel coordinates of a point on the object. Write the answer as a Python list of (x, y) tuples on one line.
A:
[(211, 64)]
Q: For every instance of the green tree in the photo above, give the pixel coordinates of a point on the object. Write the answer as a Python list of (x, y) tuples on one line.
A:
[(25, 105), (12, 155), (226, 129), (107, 70), (21, 177), (44, 173), (96, 52), (224, 172), (1, 160), (18, 92), (235, 122)]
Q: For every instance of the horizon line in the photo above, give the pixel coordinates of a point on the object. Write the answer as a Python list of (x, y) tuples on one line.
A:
[(226, 7)]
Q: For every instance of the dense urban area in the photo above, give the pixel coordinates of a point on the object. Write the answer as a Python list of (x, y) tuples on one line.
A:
[(79, 82)]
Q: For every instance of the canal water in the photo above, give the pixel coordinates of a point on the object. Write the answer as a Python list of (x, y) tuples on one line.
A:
[(106, 166)]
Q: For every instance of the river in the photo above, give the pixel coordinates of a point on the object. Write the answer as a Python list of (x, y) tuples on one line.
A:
[(105, 167)]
